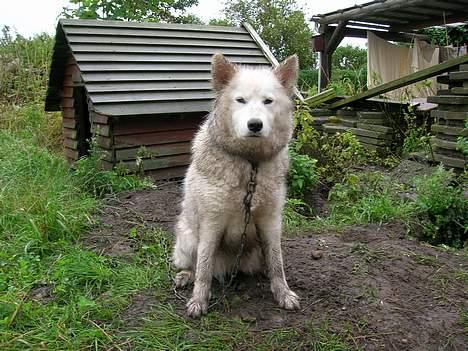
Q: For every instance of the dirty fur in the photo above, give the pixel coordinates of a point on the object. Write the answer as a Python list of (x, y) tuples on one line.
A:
[(209, 228)]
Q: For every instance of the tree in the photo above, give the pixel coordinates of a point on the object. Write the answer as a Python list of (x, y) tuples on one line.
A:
[(133, 10), (349, 58), (280, 23)]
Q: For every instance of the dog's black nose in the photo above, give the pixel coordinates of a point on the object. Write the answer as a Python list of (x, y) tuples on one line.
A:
[(255, 125)]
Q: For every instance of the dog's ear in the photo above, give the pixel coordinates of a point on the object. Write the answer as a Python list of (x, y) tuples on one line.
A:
[(287, 72), (222, 71)]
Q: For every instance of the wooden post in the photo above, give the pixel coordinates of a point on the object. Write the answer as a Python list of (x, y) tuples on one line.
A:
[(325, 60), (333, 38)]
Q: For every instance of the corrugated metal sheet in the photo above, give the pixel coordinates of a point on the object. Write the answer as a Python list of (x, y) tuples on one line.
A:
[(146, 68)]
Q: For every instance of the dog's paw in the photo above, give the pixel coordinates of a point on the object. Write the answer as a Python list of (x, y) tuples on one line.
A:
[(288, 300), (183, 278), (196, 307)]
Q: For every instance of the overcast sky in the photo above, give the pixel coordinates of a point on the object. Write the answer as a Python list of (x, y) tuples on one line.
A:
[(29, 17)]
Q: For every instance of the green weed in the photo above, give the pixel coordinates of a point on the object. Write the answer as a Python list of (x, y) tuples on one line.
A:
[(441, 209), (93, 179), (302, 174), (368, 198)]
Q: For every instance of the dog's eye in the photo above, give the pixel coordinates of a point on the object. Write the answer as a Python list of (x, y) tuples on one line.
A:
[(267, 101), (240, 100)]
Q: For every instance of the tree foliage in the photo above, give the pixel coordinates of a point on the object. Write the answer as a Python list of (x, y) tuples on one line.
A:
[(456, 35), (280, 23), (133, 10), (349, 58)]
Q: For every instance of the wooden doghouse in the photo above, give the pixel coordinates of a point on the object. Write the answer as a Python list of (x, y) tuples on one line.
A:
[(134, 85)]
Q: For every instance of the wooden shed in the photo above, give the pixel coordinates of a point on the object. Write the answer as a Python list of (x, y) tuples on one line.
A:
[(140, 84)]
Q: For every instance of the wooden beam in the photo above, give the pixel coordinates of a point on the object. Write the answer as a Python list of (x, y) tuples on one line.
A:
[(426, 11), (436, 21), (401, 82), (365, 10), (391, 36), (445, 5), (336, 38), (325, 59)]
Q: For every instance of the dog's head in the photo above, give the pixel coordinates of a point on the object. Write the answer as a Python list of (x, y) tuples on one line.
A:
[(253, 106)]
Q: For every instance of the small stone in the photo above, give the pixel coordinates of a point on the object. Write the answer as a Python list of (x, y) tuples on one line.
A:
[(404, 341), (246, 297), (247, 318), (317, 254)]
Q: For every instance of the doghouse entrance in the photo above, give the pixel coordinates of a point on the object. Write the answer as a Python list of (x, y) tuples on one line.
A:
[(83, 125)]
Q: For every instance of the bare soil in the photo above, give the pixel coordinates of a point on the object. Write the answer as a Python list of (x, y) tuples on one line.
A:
[(386, 291)]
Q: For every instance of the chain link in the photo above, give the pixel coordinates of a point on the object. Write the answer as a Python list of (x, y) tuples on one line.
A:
[(251, 187), (247, 202)]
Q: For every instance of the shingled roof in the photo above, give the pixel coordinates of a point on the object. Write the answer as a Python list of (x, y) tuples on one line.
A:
[(147, 68)]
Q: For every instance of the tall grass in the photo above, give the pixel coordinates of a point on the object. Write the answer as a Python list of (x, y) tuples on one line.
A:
[(24, 67)]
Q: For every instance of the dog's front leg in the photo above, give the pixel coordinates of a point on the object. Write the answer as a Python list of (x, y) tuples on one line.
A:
[(269, 227), (210, 234)]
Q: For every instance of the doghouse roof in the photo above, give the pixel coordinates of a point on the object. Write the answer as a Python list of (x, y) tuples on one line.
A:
[(147, 68)]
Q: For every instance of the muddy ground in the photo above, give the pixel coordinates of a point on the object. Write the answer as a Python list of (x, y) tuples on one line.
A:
[(387, 291)]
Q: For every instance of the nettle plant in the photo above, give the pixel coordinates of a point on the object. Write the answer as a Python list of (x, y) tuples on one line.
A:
[(302, 174)]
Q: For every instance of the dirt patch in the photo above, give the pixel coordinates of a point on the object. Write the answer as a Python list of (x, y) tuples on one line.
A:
[(407, 170), (42, 294), (317, 200), (140, 305), (149, 208), (386, 291)]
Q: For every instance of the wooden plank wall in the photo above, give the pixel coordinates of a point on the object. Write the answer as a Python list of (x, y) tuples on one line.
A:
[(69, 125), (162, 142)]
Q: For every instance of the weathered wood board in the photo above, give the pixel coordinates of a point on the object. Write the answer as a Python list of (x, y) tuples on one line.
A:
[(404, 81), (372, 134)]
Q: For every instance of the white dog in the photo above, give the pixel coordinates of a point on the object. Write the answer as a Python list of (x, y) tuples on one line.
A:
[(251, 123)]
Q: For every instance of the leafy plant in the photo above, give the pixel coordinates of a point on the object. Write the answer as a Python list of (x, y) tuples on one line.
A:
[(442, 209), (302, 173), (417, 137), (462, 141), (305, 137), (94, 179), (337, 154)]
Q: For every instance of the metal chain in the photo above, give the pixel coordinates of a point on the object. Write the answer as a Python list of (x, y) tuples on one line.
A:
[(251, 187), (247, 202)]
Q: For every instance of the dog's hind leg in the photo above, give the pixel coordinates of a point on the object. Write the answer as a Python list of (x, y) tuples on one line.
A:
[(270, 232)]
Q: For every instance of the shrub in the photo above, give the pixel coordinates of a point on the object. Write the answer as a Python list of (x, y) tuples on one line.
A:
[(442, 209), (337, 154), (305, 137), (302, 173), (416, 134)]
